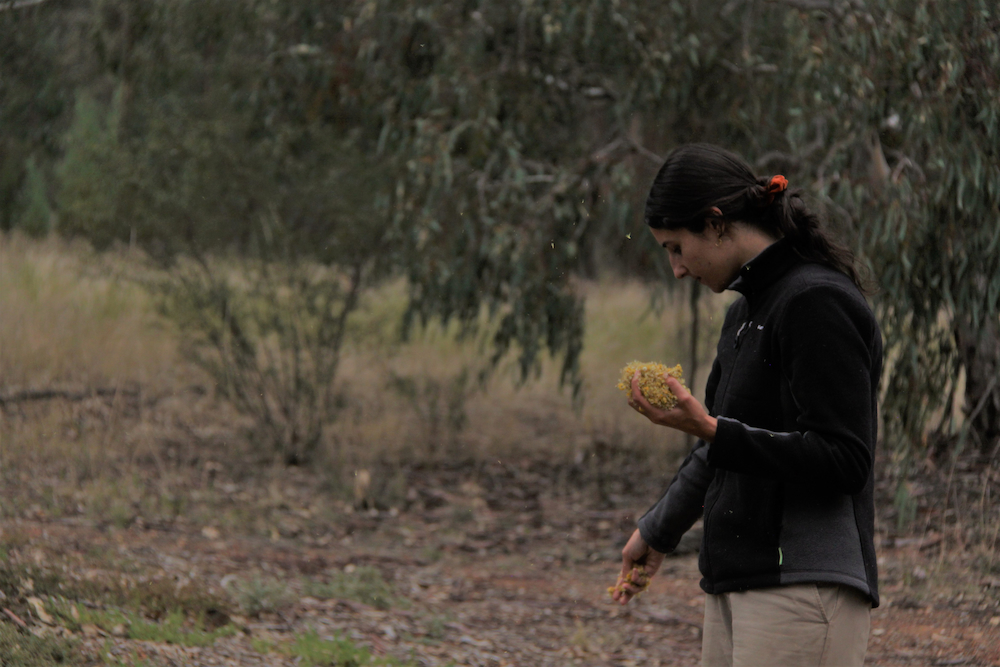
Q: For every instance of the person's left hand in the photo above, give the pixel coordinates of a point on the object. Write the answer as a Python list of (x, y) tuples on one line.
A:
[(688, 415), (636, 554)]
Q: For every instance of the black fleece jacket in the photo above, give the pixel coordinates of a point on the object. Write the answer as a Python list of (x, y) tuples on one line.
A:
[(786, 486)]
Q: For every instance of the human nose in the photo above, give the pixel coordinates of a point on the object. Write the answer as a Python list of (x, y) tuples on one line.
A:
[(679, 269)]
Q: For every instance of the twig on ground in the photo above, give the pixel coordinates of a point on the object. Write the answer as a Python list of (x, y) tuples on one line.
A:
[(27, 395), (14, 617), (67, 394)]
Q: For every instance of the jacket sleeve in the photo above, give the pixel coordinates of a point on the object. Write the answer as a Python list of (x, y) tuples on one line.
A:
[(827, 348), (666, 522)]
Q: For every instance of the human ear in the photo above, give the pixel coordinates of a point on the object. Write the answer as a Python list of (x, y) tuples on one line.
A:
[(715, 221)]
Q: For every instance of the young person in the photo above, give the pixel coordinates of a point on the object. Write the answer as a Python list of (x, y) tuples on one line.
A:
[(782, 470)]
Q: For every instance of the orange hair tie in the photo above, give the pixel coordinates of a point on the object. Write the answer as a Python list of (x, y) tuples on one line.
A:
[(777, 184)]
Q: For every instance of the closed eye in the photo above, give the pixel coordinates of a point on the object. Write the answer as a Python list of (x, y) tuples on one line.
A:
[(674, 250)]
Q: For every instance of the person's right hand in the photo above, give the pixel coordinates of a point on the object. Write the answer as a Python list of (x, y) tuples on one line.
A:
[(688, 416), (636, 553)]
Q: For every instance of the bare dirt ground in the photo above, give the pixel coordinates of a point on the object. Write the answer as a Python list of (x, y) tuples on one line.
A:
[(485, 572)]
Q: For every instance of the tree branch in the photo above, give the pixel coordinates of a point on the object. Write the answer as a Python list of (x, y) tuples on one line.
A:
[(762, 68), (777, 156), (982, 401), (606, 153), (796, 159), (19, 4), (903, 161), (645, 152), (69, 395), (830, 6)]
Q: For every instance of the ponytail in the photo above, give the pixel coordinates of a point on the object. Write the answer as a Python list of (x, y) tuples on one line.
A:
[(697, 177), (812, 242)]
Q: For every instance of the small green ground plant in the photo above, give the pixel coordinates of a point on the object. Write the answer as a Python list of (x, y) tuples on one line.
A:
[(151, 610), (310, 649), (176, 627), (23, 649), (363, 584), (259, 594)]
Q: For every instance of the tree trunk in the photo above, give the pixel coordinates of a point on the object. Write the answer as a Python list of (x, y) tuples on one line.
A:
[(980, 354)]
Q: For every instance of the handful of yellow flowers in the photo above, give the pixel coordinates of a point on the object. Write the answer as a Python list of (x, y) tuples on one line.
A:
[(651, 382), (636, 577)]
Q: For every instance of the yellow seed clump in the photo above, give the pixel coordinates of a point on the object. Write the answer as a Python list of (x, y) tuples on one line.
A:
[(651, 382), (636, 577)]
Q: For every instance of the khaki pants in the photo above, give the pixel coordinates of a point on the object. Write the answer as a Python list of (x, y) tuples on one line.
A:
[(803, 625)]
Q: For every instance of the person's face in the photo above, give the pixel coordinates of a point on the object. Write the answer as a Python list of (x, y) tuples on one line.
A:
[(705, 257)]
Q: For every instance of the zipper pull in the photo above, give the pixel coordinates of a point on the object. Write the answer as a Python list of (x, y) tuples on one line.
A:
[(739, 334)]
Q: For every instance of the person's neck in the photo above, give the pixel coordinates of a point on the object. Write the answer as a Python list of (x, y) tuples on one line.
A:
[(751, 242)]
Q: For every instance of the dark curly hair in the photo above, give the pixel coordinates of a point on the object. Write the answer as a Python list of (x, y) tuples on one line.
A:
[(697, 177)]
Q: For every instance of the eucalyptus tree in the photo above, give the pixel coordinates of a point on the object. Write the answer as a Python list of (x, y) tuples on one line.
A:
[(493, 151), (524, 135), (490, 151), (909, 95), (521, 121)]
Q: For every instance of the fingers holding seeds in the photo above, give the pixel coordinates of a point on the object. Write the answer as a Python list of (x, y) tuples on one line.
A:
[(647, 379), (629, 585)]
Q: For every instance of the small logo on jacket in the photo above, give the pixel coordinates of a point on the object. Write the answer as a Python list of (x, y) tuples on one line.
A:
[(745, 327)]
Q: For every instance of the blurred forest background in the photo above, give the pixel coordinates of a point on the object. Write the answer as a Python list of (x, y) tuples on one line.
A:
[(362, 238), (278, 163), (281, 166)]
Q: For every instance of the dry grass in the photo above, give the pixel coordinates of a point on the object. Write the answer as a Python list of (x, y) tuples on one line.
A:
[(505, 418), (72, 318)]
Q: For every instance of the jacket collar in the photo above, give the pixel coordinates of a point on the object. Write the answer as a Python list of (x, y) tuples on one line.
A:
[(763, 270)]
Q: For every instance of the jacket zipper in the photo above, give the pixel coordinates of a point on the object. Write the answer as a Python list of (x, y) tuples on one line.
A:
[(708, 513)]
